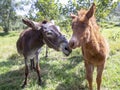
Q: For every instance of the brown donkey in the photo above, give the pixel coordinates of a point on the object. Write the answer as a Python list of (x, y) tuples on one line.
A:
[(31, 41), (94, 47)]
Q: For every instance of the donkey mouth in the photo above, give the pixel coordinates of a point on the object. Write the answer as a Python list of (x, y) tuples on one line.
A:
[(65, 49), (58, 45), (68, 53), (51, 44), (74, 45)]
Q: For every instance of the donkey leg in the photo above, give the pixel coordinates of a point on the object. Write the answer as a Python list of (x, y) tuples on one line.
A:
[(46, 53), (26, 73), (32, 64), (99, 75), (38, 70), (89, 74)]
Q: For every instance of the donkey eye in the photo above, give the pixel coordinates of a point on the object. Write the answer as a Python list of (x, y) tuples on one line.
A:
[(44, 27), (84, 25), (49, 33)]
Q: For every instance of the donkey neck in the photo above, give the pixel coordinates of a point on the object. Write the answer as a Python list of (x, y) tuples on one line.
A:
[(93, 44), (36, 39)]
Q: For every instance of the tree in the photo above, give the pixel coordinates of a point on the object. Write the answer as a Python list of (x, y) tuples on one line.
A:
[(115, 14), (7, 14), (47, 9), (103, 7)]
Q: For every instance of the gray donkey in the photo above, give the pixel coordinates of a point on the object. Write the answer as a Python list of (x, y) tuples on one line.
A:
[(32, 39)]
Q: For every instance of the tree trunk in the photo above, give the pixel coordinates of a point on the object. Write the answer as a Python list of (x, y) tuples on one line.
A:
[(6, 29)]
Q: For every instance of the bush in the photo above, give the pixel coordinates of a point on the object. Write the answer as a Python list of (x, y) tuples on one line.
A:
[(1, 28), (115, 35)]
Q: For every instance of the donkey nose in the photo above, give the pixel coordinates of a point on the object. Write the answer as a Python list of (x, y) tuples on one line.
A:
[(72, 44)]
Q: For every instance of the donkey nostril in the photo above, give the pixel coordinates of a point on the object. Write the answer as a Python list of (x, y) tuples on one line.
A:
[(48, 33), (66, 48), (71, 44)]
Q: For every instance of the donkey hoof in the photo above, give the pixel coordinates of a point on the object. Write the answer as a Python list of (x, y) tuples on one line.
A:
[(40, 83), (23, 86), (34, 68)]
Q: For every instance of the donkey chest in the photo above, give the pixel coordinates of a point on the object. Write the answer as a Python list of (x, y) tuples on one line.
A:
[(32, 53), (94, 58)]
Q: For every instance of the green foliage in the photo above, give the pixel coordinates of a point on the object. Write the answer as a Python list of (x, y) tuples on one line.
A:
[(104, 7), (1, 29), (113, 36), (48, 9), (7, 14), (45, 10)]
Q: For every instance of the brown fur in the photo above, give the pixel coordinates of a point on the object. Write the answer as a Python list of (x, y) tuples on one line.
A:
[(32, 39), (94, 47), (26, 36)]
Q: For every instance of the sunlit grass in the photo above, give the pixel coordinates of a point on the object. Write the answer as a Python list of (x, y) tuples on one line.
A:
[(58, 71)]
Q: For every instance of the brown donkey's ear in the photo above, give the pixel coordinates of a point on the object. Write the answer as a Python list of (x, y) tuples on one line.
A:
[(73, 16), (29, 23), (91, 11)]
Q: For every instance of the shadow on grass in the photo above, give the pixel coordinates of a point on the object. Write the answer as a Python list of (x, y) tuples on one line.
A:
[(11, 80), (13, 77), (117, 25), (63, 73), (14, 59), (3, 34), (72, 81)]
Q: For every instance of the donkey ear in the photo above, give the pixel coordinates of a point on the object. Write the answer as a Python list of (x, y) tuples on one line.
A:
[(53, 22), (91, 11), (44, 21), (29, 23), (73, 16), (58, 28)]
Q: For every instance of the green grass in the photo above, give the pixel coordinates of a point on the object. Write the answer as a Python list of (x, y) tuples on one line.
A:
[(58, 71)]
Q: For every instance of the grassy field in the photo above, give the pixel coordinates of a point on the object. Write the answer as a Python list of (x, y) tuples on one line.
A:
[(58, 72)]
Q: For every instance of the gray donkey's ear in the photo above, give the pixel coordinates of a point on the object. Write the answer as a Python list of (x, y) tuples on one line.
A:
[(46, 24), (28, 22), (44, 21), (53, 22), (58, 28), (32, 24)]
